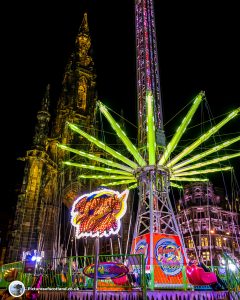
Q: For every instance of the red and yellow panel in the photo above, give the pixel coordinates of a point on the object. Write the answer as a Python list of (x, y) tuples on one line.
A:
[(168, 257)]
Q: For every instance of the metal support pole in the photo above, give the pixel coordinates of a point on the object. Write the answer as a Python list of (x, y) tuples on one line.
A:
[(178, 231), (96, 268), (151, 230), (111, 245), (119, 245), (143, 279), (69, 281), (85, 251)]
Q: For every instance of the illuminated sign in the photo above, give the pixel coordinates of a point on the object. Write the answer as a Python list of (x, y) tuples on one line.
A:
[(99, 213), (106, 270), (169, 256)]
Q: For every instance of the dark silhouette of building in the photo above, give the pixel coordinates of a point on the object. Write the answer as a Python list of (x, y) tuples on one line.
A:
[(49, 188)]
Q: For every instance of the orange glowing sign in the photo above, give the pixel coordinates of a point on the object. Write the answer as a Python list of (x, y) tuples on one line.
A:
[(99, 213)]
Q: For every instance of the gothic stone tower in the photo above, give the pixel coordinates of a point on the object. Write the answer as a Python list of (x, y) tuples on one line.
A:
[(77, 105), (33, 229), (45, 185)]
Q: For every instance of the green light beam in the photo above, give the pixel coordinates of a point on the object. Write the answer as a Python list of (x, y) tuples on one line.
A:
[(151, 141), (202, 164), (121, 182), (188, 179), (90, 167), (96, 158), (134, 186), (122, 135), (172, 184), (103, 146), (203, 138), (203, 171), (205, 153), (106, 177), (181, 129)]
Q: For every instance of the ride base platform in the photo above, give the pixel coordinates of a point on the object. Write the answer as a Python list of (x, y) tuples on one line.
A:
[(136, 295)]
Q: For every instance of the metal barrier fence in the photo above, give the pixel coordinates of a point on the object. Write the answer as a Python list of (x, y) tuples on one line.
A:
[(229, 274), (15, 272), (69, 273)]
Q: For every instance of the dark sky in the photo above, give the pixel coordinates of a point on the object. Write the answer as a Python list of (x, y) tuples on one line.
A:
[(198, 50)]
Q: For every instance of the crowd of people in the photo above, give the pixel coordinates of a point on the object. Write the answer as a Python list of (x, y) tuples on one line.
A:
[(61, 274)]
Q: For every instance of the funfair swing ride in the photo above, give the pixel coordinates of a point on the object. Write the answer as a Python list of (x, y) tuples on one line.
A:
[(153, 168)]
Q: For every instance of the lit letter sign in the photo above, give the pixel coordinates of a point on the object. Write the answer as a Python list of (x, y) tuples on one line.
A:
[(99, 213)]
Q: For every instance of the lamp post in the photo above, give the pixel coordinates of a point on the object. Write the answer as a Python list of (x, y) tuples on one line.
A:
[(31, 259)]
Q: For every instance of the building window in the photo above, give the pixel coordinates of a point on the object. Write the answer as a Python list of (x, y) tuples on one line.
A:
[(234, 245), (82, 94), (106, 247), (190, 243), (206, 255), (218, 241), (204, 241)]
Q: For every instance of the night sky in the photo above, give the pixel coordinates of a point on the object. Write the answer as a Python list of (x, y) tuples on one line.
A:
[(198, 50)]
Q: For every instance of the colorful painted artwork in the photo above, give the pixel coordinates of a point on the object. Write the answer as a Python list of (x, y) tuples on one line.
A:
[(106, 270), (99, 213), (168, 259), (142, 248), (169, 256)]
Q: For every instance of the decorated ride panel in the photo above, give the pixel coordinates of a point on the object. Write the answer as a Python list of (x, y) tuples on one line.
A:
[(99, 213), (168, 258), (142, 247), (106, 270)]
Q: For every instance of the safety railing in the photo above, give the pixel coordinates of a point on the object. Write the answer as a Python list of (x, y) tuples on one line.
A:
[(9, 272), (115, 273), (232, 270)]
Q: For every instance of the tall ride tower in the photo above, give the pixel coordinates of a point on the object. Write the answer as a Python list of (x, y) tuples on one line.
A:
[(147, 71), (150, 168), (155, 214), (157, 233), (154, 207)]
